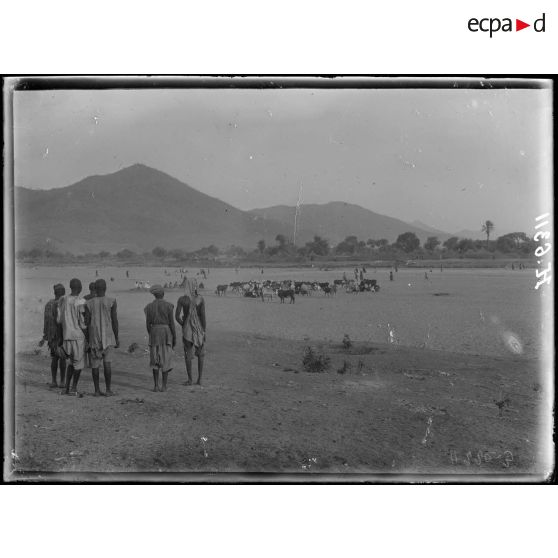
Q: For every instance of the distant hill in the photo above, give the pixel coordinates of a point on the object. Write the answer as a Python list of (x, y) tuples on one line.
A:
[(428, 228), (337, 220), (136, 208)]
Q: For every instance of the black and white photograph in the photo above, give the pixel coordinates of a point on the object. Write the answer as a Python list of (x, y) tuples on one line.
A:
[(318, 279)]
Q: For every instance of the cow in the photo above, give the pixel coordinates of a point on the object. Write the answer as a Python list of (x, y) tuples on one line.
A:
[(250, 290), (266, 294), (286, 293), (221, 290), (351, 287), (369, 285), (304, 289), (236, 287)]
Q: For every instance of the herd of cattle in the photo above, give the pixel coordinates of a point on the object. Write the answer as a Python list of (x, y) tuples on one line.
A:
[(267, 290)]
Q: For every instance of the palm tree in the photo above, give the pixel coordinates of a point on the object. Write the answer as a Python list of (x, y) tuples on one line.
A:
[(487, 228)]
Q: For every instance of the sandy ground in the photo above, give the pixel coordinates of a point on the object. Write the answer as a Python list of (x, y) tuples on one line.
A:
[(402, 406), (394, 410)]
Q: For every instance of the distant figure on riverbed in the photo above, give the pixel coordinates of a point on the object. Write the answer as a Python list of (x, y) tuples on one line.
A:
[(426, 275), (391, 275)]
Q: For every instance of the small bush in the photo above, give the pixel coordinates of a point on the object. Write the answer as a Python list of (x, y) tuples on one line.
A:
[(503, 402), (345, 368), (313, 361), (347, 343)]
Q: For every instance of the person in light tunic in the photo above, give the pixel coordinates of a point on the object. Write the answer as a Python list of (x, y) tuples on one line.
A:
[(103, 335), (190, 314), (71, 316)]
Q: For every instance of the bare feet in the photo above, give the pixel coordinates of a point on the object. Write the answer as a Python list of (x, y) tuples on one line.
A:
[(164, 388), (99, 394), (156, 388), (198, 383), (53, 385), (109, 393), (188, 383)]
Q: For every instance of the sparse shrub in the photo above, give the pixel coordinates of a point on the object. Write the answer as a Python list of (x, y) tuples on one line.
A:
[(345, 368), (347, 343), (503, 402), (313, 361)]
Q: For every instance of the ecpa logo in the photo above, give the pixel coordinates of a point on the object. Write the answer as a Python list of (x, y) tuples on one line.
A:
[(494, 24)]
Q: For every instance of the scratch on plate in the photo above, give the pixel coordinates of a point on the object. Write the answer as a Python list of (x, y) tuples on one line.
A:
[(297, 212)]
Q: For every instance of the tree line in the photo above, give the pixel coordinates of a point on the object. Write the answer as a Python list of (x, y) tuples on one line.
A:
[(407, 245)]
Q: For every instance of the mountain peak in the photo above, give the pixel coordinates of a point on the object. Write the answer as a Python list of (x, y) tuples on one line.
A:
[(139, 167), (136, 207)]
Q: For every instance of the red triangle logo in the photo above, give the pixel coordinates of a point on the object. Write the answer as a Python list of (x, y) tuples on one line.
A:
[(519, 25)]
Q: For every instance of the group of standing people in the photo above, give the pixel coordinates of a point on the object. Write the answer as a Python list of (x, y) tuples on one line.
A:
[(82, 332)]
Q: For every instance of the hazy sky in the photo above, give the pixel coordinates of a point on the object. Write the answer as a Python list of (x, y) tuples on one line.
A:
[(449, 158)]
